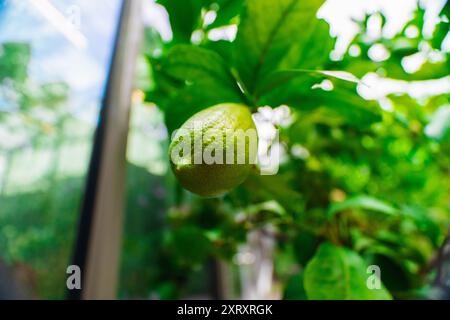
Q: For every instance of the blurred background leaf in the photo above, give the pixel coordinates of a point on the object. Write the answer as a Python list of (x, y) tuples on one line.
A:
[(339, 273)]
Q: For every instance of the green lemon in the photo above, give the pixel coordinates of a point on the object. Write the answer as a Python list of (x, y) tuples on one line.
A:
[(214, 150)]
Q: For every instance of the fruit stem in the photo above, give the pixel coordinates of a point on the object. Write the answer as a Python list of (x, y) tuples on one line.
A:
[(250, 100)]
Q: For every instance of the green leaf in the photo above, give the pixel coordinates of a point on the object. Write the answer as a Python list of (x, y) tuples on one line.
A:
[(305, 245), (280, 77), (429, 70), (191, 245), (342, 104), (339, 273), (362, 202), (222, 47), (342, 75), (191, 63), (275, 187), (192, 99), (184, 17), (313, 57), (207, 81), (228, 10), (398, 245), (273, 35), (440, 32), (270, 206), (424, 222), (294, 289)]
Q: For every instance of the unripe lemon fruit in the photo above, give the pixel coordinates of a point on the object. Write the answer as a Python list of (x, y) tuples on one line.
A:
[(214, 150)]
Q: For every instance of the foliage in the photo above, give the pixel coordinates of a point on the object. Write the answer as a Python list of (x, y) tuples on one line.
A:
[(358, 184), (337, 273)]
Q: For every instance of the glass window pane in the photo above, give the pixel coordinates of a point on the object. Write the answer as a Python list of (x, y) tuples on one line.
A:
[(54, 61)]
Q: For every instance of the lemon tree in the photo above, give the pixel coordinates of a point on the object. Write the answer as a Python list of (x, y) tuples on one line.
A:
[(360, 181)]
